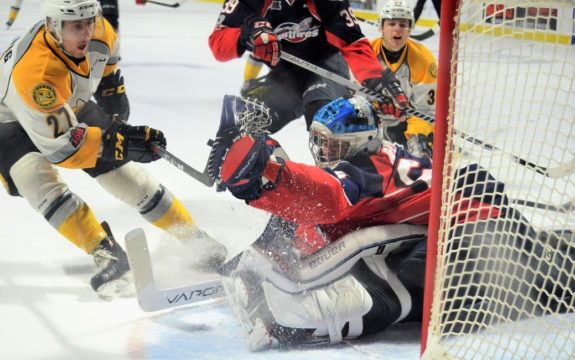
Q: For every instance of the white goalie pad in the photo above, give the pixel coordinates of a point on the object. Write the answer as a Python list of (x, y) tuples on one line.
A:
[(149, 296), (306, 302), (332, 262), (326, 309)]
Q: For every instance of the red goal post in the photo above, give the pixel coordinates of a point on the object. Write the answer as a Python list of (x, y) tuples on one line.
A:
[(505, 101)]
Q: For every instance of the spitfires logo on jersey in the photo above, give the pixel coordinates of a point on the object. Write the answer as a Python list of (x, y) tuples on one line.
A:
[(296, 33), (44, 95)]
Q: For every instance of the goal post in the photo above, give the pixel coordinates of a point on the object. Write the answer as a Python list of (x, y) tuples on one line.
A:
[(506, 102)]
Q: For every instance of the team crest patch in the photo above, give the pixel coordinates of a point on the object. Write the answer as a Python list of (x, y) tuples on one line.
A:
[(433, 70), (44, 95)]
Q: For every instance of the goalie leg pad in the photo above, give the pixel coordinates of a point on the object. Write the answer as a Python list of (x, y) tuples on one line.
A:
[(327, 309)]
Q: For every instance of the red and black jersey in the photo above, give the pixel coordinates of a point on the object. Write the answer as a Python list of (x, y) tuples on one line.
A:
[(388, 187), (308, 29)]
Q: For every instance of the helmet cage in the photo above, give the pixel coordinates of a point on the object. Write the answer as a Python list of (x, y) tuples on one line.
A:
[(342, 129)]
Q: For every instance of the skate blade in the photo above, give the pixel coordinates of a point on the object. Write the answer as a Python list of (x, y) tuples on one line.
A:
[(120, 288)]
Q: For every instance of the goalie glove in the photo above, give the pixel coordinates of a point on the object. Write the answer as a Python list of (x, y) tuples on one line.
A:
[(246, 170), (258, 37)]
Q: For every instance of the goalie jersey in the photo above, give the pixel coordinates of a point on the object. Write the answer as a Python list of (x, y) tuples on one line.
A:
[(390, 186), (42, 88)]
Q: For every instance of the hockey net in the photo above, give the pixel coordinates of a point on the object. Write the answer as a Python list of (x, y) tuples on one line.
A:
[(507, 72)]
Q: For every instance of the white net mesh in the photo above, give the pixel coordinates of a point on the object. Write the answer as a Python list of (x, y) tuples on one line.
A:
[(502, 292), (252, 116)]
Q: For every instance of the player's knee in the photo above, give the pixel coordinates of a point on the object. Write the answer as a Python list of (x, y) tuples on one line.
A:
[(131, 184), (328, 309), (38, 181)]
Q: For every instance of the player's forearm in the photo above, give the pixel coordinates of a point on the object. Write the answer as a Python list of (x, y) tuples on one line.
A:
[(224, 44), (305, 195), (361, 59)]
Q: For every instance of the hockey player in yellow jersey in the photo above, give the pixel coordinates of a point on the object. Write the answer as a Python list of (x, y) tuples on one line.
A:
[(47, 78), (415, 67)]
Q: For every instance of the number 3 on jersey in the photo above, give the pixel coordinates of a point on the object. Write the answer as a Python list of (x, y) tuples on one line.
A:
[(349, 18)]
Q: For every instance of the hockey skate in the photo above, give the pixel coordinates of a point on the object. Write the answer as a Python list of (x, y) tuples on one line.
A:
[(114, 277)]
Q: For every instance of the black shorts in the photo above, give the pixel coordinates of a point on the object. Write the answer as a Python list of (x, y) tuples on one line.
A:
[(290, 89)]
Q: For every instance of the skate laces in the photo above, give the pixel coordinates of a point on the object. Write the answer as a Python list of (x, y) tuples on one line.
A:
[(103, 257)]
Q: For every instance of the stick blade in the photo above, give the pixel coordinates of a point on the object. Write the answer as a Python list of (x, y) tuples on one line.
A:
[(150, 298)]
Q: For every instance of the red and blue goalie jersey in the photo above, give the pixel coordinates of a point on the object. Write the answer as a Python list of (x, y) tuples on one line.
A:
[(388, 187)]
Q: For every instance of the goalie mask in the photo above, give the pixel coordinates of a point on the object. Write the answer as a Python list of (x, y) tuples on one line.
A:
[(396, 9), (342, 129), (85, 12)]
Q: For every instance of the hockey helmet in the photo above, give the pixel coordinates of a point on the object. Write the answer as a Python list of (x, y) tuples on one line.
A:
[(342, 129), (58, 11), (396, 9)]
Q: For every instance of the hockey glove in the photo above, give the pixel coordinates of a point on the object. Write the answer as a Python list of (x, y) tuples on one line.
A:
[(111, 97), (126, 142), (388, 109), (244, 165), (388, 83), (258, 37)]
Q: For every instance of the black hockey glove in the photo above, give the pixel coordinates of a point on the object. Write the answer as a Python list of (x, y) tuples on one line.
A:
[(126, 142), (111, 97), (258, 37), (388, 82)]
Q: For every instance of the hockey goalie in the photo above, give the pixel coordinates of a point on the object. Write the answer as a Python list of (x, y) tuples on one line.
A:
[(344, 251)]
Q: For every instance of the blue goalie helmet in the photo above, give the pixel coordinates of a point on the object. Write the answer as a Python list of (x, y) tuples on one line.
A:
[(342, 129)]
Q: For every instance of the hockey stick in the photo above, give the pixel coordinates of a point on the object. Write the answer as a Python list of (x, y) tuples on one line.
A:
[(346, 82), (202, 177), (149, 296), (419, 37), (568, 207), (555, 173), (174, 5)]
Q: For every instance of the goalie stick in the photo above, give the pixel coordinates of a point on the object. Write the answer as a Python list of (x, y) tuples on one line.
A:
[(557, 172), (149, 296), (313, 271)]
